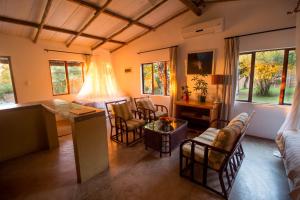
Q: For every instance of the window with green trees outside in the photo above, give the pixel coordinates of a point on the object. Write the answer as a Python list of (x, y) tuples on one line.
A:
[(267, 76), (156, 78), (7, 90), (67, 77)]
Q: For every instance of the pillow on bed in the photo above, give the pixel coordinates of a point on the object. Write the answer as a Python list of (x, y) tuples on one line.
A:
[(122, 110)]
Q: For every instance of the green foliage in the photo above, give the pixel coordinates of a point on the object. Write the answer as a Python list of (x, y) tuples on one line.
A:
[(5, 81), (267, 70), (244, 68), (200, 84)]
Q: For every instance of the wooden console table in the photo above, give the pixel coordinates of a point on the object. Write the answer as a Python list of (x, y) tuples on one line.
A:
[(199, 115)]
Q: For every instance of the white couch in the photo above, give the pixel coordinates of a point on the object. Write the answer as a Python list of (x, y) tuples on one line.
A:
[(291, 160)]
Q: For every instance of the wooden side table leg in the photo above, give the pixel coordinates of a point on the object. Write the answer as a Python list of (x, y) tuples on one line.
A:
[(169, 144)]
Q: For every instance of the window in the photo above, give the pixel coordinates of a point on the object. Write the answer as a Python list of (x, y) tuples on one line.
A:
[(7, 89), (67, 77), (267, 76), (156, 78)]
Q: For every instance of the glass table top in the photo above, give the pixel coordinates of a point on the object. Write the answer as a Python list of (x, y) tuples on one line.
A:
[(165, 126)]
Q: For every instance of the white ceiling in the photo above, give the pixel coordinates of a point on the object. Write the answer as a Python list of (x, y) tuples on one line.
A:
[(69, 15)]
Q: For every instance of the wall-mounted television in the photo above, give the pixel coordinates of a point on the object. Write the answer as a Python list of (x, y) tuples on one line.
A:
[(200, 62)]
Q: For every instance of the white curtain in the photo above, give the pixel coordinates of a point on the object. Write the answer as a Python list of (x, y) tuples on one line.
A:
[(292, 121), (230, 70), (173, 80), (100, 82)]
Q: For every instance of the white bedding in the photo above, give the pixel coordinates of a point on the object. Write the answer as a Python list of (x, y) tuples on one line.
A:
[(292, 161), (98, 102)]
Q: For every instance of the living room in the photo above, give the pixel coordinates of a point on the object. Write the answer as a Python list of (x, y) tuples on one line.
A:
[(68, 66)]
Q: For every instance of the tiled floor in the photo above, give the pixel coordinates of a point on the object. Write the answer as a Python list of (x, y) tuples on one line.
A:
[(135, 173)]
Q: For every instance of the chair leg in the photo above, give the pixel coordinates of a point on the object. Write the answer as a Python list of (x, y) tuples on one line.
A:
[(223, 185), (127, 143), (111, 131)]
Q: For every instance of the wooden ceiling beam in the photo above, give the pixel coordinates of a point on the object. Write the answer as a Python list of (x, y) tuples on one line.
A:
[(111, 13), (156, 27), (130, 24), (41, 26), (192, 6), (218, 1), (52, 28), (97, 13)]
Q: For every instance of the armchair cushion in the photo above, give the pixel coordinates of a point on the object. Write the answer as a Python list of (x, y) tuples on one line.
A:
[(134, 124), (159, 114), (146, 104), (122, 110)]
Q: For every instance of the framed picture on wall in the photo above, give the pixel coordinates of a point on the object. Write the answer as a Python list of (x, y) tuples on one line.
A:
[(200, 62)]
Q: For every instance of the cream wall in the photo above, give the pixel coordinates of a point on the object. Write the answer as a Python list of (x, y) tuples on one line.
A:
[(240, 17), (30, 65)]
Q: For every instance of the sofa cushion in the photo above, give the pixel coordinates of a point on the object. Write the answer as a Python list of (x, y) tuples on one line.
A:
[(206, 137), (243, 118), (122, 110), (225, 139)]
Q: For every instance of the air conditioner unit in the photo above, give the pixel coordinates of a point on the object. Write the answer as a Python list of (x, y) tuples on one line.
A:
[(212, 26)]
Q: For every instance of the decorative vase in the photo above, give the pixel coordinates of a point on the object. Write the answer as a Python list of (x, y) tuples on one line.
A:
[(187, 97), (202, 99)]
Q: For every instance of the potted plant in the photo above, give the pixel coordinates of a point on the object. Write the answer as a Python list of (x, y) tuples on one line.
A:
[(185, 92), (200, 86)]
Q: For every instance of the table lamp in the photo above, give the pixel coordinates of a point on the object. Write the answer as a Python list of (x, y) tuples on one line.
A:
[(217, 79)]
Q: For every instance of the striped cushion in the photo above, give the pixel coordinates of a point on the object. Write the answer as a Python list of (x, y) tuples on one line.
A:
[(146, 104), (206, 137), (243, 118), (122, 110), (159, 114), (224, 140), (134, 124)]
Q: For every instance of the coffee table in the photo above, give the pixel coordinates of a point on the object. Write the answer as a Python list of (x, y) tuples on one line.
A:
[(164, 137)]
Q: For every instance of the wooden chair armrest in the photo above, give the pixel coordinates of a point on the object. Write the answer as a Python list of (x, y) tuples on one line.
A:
[(162, 108), (211, 147), (204, 145)]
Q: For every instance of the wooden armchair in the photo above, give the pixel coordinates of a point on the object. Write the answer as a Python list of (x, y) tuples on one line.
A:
[(148, 110), (218, 151), (121, 119)]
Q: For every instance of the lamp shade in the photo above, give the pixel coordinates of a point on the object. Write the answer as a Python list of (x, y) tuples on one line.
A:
[(217, 79)]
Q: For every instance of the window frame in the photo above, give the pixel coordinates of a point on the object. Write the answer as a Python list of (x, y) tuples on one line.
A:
[(165, 93), (12, 77), (283, 74), (67, 75)]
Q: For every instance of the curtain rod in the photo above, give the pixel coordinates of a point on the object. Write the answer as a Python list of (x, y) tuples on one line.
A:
[(268, 31), (156, 49), (86, 54)]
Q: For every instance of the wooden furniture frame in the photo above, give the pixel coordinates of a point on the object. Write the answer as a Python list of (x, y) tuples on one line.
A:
[(164, 142), (229, 167), (147, 114), (199, 115), (121, 127)]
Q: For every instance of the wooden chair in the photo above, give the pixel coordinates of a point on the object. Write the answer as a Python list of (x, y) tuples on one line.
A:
[(123, 127), (196, 152), (148, 110)]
